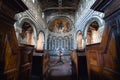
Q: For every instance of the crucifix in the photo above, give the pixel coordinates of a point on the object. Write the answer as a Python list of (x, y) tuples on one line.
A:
[(60, 57)]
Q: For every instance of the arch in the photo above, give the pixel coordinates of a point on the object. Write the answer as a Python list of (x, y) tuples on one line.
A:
[(100, 21), (53, 42), (79, 31), (94, 19), (71, 42), (59, 42), (79, 40), (49, 43), (41, 41), (66, 42), (18, 25)]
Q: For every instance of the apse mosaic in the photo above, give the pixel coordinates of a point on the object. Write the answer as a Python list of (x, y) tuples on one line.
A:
[(60, 25)]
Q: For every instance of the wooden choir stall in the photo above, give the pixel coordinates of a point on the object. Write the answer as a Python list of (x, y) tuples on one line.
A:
[(9, 50), (40, 65), (104, 58), (26, 55), (79, 65)]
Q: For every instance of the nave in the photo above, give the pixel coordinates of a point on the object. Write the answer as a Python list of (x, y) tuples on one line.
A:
[(60, 70), (59, 67)]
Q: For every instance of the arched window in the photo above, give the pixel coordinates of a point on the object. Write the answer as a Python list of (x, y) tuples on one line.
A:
[(40, 42), (66, 43), (79, 41), (93, 33), (27, 34), (26, 31)]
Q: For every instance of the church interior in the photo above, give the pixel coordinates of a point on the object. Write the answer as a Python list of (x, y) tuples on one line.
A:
[(59, 40)]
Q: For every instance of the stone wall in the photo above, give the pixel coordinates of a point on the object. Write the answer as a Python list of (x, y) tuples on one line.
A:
[(33, 16), (40, 22), (84, 16), (54, 38)]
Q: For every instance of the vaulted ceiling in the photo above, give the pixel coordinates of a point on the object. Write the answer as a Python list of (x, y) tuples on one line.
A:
[(61, 6)]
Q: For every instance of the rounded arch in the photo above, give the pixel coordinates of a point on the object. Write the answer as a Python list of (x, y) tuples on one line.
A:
[(41, 41), (95, 19), (49, 42), (77, 33), (18, 25), (42, 34), (71, 41), (66, 42), (100, 21), (79, 40), (59, 42), (53, 42)]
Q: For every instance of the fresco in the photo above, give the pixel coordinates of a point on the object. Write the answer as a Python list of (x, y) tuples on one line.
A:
[(60, 25)]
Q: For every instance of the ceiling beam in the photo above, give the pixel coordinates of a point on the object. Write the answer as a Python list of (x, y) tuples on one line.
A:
[(59, 8)]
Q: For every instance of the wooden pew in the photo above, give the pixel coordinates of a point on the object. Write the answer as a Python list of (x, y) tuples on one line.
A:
[(102, 65), (40, 65), (26, 54), (74, 59)]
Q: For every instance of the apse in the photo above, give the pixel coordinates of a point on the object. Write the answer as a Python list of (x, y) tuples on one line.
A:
[(60, 25)]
